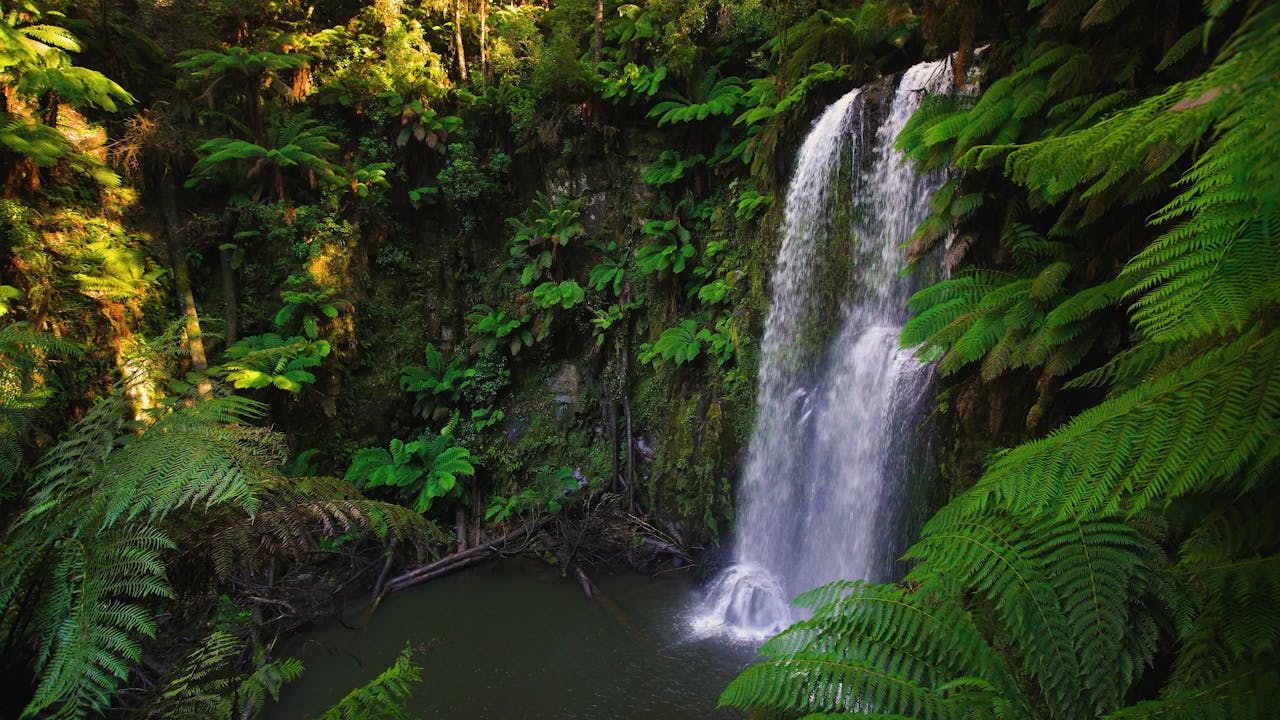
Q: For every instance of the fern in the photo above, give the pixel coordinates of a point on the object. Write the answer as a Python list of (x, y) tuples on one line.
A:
[(426, 469), (85, 556), (711, 97), (205, 685), (1067, 594), (384, 697), (1190, 430)]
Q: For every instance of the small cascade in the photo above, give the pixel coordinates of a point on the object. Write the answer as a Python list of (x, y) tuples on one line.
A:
[(822, 494)]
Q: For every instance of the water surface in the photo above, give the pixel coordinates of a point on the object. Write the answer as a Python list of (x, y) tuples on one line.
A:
[(513, 639)]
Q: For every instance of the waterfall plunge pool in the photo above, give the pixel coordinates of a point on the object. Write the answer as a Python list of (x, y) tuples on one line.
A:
[(513, 639)]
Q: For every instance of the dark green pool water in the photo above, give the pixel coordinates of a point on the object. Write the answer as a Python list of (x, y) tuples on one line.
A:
[(513, 639)]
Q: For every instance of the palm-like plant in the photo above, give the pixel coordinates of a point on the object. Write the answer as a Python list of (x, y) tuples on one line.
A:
[(249, 73), (296, 144), (36, 67)]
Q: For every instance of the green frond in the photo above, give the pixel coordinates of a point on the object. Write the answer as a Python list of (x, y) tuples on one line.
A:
[(1187, 431), (1246, 693), (296, 514), (385, 697), (880, 650), (1221, 264), (1068, 594), (94, 616), (204, 684)]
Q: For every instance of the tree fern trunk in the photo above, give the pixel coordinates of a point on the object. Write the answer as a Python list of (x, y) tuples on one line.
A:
[(229, 302)]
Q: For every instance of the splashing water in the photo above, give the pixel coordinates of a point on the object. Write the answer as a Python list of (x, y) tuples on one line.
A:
[(822, 494)]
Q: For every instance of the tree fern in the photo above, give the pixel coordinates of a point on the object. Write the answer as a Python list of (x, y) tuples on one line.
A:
[(1066, 594), (1190, 430), (878, 649), (94, 617), (205, 684), (84, 558)]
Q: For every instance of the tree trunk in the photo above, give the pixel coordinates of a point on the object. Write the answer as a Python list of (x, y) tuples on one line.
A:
[(229, 301), (460, 527), (50, 113), (457, 41), (484, 38), (182, 285), (597, 41)]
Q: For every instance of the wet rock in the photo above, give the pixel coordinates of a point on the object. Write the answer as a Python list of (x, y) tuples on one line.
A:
[(567, 386)]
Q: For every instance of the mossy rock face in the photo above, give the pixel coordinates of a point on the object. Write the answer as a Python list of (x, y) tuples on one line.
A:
[(690, 480)]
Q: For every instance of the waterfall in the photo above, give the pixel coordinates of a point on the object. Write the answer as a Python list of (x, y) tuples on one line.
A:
[(822, 493)]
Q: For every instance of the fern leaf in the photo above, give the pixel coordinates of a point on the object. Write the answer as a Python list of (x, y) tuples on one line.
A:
[(384, 697)]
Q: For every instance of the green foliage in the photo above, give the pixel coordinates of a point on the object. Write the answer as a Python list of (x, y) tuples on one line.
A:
[(204, 684), (548, 494), (750, 204), (679, 343), (24, 358), (670, 167), (269, 360), (492, 327), (770, 105), (1069, 595), (438, 385), (469, 177), (106, 269), (630, 81), (37, 68), (85, 557), (709, 97), (425, 469), (212, 66), (670, 245), (1041, 591), (297, 144), (421, 123), (384, 697), (305, 311), (566, 294), (547, 227), (1024, 319), (610, 273)]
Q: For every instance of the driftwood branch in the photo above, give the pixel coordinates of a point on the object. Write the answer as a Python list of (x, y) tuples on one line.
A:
[(457, 560)]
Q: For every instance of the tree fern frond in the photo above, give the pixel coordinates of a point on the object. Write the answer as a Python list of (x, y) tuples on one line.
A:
[(94, 617), (1245, 693), (384, 697), (1065, 591), (1186, 431), (205, 684), (880, 651)]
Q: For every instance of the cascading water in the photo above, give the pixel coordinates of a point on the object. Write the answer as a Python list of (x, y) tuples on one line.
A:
[(822, 492)]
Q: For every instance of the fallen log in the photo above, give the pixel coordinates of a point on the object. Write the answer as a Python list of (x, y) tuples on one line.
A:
[(457, 560), (664, 548), (417, 579)]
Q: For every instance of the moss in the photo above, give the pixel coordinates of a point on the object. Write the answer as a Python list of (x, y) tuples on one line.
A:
[(691, 475)]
